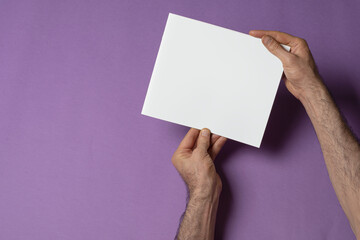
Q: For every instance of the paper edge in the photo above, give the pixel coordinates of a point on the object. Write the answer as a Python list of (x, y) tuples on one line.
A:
[(170, 15)]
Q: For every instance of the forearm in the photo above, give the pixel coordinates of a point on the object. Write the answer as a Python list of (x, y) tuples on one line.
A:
[(340, 149), (199, 218)]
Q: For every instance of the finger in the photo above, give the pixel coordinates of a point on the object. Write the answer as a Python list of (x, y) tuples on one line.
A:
[(189, 139), (195, 145), (275, 48), (215, 149), (214, 138), (280, 37), (203, 141)]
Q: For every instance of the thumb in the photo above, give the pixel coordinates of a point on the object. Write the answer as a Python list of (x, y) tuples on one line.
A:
[(203, 141), (275, 48)]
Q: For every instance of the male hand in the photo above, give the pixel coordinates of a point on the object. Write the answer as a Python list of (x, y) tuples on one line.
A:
[(193, 159), (341, 149), (301, 75)]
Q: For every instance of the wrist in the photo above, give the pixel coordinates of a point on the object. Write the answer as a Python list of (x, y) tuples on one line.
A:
[(315, 91), (201, 200), (205, 194), (317, 101), (207, 188)]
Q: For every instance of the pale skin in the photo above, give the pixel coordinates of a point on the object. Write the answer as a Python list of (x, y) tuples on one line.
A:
[(194, 157)]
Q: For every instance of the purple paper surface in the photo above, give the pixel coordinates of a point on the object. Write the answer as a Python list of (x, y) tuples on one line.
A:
[(79, 161)]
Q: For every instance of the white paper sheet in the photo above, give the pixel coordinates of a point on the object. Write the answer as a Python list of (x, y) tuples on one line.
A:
[(209, 76)]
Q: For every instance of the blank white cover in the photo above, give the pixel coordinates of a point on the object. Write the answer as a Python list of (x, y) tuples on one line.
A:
[(209, 76)]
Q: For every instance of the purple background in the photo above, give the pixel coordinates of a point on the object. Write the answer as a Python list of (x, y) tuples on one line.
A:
[(79, 161)]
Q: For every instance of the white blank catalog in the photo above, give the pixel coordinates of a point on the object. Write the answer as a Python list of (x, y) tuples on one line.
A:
[(213, 77)]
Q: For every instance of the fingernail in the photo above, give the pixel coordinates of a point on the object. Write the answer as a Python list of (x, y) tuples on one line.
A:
[(205, 132), (267, 40)]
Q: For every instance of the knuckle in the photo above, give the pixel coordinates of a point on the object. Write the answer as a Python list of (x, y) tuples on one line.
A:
[(302, 42), (274, 46), (290, 60), (176, 157), (173, 160)]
